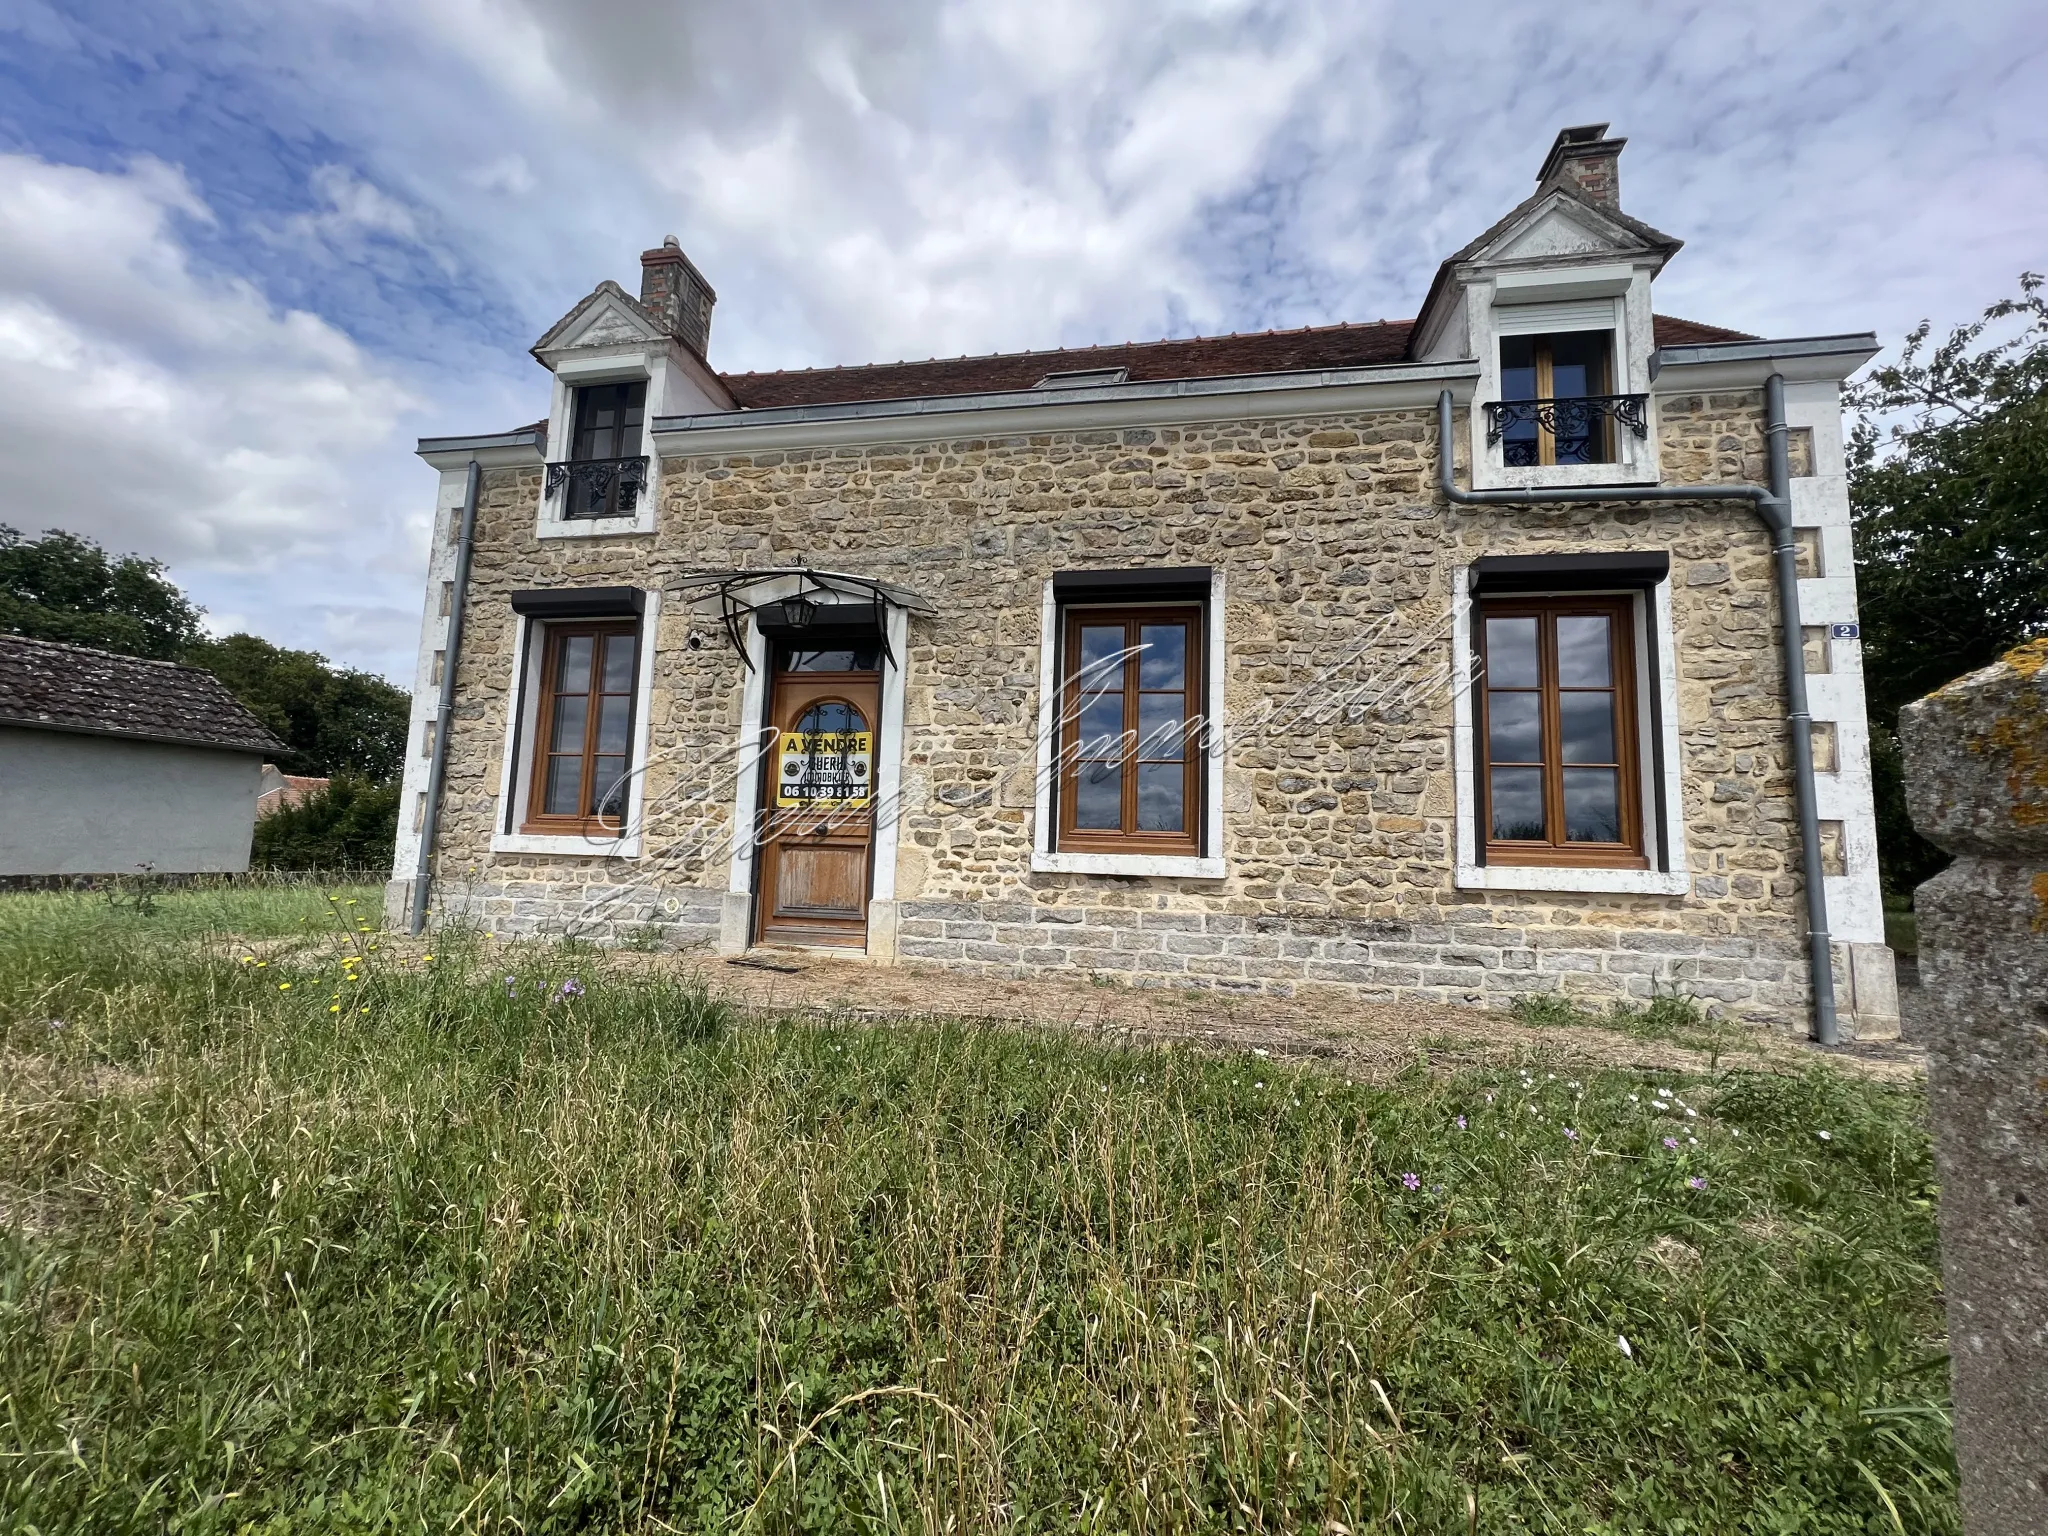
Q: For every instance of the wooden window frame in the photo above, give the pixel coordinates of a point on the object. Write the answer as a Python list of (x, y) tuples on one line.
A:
[(552, 637), (1554, 852), (585, 395), (1542, 350), (1129, 840)]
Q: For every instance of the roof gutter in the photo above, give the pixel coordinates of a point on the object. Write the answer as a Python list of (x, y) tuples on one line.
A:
[(437, 772), (1772, 505)]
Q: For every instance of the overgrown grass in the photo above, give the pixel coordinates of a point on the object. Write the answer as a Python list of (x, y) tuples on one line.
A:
[(473, 1247), (1682, 1020), (79, 922)]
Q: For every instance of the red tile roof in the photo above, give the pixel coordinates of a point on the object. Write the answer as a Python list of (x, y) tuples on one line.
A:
[(1201, 357), (1673, 332)]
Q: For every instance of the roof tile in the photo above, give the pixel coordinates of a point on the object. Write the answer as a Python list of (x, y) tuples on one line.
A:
[(1200, 357), (59, 687)]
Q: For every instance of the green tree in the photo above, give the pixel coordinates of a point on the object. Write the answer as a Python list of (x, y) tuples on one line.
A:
[(351, 824), (62, 587), (335, 719), (1948, 478)]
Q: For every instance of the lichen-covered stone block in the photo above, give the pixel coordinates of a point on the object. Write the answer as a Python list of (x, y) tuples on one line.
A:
[(1977, 783)]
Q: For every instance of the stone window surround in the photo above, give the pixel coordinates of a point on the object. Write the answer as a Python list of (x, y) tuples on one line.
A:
[(1663, 796), (572, 374), (752, 745), (515, 777), (1045, 859)]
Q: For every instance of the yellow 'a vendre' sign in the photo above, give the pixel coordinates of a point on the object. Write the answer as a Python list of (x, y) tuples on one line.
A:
[(825, 770)]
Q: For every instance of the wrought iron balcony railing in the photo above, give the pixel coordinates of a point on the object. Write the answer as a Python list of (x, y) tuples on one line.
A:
[(1580, 427), (599, 487)]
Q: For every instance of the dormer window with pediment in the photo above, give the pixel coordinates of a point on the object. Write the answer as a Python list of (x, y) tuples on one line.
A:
[(1553, 303), (619, 364)]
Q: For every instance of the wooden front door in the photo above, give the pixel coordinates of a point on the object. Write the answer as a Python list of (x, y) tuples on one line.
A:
[(818, 803)]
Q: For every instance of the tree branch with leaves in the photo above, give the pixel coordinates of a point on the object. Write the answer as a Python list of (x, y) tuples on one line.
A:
[(1948, 480)]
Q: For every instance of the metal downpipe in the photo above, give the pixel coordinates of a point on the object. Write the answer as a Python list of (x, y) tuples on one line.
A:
[(1777, 515), (437, 770), (1773, 507)]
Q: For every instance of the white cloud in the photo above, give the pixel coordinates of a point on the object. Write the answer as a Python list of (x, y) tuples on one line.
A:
[(869, 182), (351, 208), (159, 407), (508, 173)]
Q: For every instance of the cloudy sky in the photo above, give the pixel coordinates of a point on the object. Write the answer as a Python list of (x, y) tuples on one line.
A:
[(250, 252)]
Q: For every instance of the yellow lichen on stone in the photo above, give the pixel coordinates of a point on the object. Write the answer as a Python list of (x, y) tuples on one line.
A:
[(2029, 658), (2021, 737)]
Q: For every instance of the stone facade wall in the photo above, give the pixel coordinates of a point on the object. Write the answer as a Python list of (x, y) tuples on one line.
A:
[(1339, 837)]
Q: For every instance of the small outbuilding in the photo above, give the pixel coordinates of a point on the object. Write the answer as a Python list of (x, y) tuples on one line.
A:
[(110, 763)]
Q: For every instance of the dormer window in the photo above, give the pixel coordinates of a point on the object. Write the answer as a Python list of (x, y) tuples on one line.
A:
[(605, 473), (1555, 406)]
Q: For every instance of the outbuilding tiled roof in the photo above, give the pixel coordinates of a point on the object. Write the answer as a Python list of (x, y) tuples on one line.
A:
[(71, 688), (1201, 357)]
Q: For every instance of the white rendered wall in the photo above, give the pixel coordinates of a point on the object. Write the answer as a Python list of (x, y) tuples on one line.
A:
[(1821, 500), (426, 692), (73, 804)]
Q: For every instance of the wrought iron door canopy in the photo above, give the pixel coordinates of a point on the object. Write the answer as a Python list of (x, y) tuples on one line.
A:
[(735, 594)]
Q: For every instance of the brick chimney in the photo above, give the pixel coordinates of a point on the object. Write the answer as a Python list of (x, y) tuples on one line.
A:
[(1585, 161), (673, 288)]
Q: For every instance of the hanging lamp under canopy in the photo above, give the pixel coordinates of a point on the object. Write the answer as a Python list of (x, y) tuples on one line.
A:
[(821, 599)]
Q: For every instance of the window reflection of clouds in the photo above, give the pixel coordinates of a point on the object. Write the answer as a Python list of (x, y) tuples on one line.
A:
[(1514, 727), (1162, 656), (1517, 801), (1588, 722), (1511, 653), (1160, 797), (1592, 806), (1582, 651)]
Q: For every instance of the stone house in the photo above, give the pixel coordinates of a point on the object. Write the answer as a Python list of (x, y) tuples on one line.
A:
[(1188, 663)]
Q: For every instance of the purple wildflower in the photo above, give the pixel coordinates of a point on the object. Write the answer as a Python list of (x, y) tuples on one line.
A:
[(511, 986), (1570, 1134), (1411, 1181), (1670, 1143), (572, 988), (1696, 1183), (1461, 1122)]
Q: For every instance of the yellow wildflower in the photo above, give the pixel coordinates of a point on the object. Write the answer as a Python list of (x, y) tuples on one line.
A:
[(284, 986)]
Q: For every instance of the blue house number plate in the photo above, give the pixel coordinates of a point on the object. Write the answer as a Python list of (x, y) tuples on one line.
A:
[(1846, 631)]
